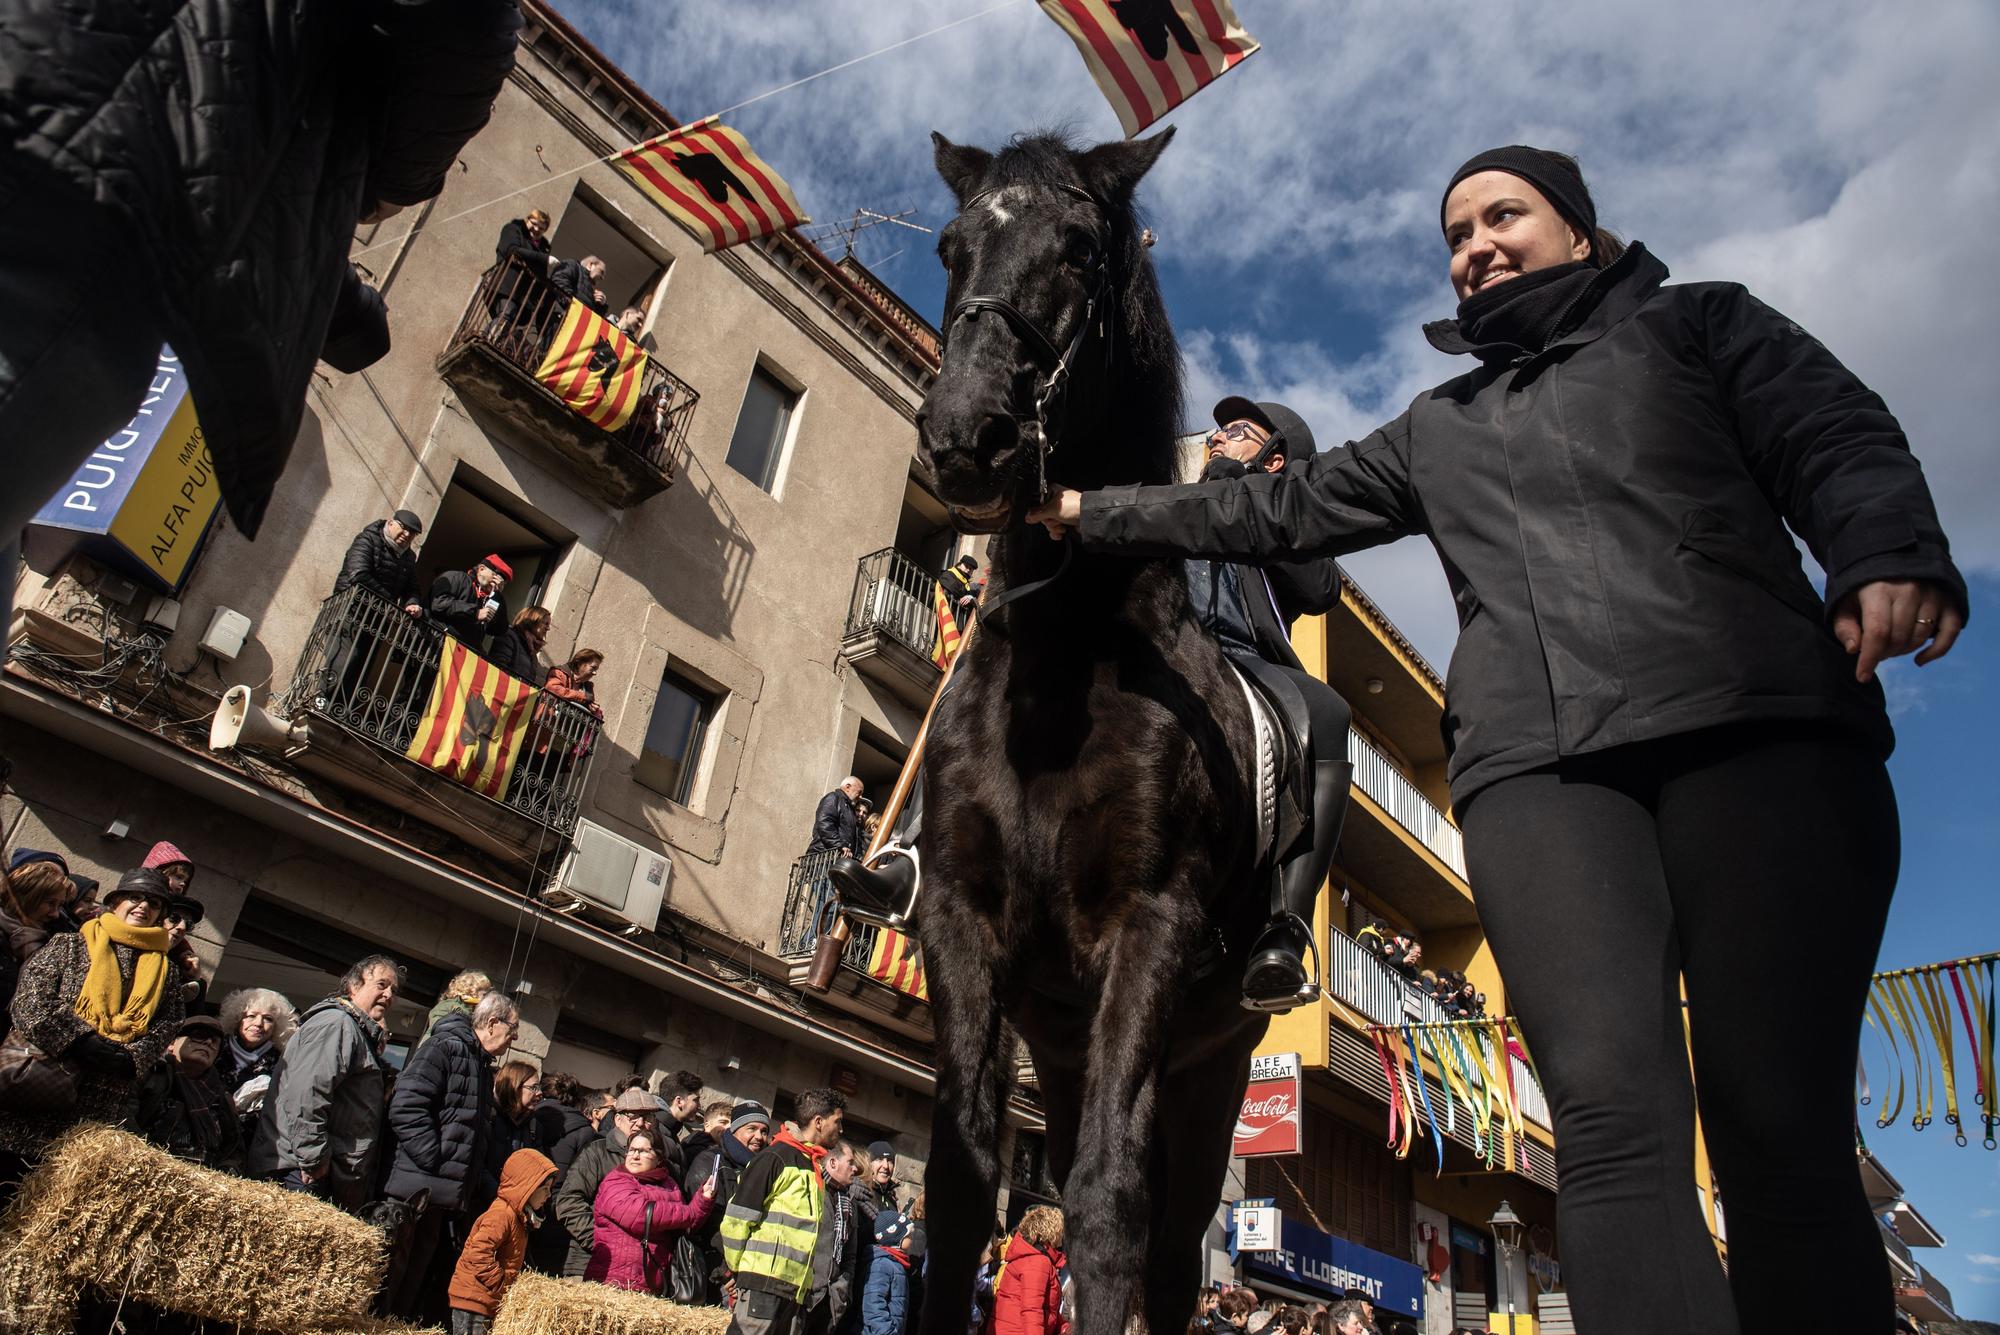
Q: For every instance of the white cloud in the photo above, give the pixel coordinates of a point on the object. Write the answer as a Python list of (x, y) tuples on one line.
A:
[(1982, 1258)]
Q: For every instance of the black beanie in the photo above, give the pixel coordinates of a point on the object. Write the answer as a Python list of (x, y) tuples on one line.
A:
[(1557, 179)]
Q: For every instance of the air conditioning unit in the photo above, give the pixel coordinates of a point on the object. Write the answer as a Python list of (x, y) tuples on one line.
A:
[(613, 875)]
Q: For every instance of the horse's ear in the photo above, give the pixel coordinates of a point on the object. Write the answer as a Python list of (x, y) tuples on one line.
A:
[(1112, 171), (962, 166)]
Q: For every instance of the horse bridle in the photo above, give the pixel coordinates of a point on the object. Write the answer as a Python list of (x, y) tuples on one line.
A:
[(1051, 398)]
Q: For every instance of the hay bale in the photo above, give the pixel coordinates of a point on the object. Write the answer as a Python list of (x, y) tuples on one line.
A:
[(109, 1210), (367, 1325), (35, 1297), (538, 1304)]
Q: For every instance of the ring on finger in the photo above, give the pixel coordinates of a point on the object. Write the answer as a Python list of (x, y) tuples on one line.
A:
[(1927, 621)]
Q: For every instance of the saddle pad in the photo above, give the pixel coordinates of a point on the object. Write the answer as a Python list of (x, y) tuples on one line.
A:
[(1264, 762)]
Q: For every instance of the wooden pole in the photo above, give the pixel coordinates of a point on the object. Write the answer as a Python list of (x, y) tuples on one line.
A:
[(826, 956)]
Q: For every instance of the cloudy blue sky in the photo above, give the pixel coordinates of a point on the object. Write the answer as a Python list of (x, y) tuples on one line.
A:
[(1840, 157)]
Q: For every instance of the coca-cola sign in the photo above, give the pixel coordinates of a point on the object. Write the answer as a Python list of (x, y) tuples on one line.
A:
[(1269, 1121)]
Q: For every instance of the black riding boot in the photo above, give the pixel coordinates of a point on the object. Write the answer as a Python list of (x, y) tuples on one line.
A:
[(1276, 979), (885, 893)]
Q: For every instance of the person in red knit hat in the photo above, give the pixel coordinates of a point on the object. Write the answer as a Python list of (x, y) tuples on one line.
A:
[(467, 602)]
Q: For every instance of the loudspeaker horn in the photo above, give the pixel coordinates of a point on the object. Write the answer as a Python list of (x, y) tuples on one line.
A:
[(240, 722)]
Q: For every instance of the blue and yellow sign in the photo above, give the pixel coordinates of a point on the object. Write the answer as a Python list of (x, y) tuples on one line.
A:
[(144, 499)]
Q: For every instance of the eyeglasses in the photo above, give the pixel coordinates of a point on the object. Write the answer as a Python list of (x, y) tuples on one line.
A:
[(1239, 431)]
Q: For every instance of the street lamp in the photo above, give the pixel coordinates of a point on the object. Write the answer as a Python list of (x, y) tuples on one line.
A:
[(1507, 1227)]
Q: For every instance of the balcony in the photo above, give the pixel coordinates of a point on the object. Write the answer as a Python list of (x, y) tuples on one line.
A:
[(808, 911), (491, 361), (1365, 984), (892, 625), (1401, 845), (362, 684)]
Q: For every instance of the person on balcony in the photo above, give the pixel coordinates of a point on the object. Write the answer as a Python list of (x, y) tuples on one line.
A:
[(579, 279), (961, 592), (516, 650), (525, 240), (836, 822), (380, 561), (465, 602)]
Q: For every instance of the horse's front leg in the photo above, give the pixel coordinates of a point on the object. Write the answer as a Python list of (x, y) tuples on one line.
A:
[(1108, 1199), (962, 1180), (1193, 1159)]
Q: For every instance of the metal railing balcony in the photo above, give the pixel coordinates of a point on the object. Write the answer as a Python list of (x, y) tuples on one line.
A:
[(1366, 984), (369, 666), (809, 911), (512, 319), (1395, 794), (896, 597)]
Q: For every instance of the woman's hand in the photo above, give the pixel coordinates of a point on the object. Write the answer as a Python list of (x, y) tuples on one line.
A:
[(1890, 617), (1060, 513)]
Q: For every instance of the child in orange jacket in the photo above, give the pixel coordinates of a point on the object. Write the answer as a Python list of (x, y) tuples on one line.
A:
[(498, 1244)]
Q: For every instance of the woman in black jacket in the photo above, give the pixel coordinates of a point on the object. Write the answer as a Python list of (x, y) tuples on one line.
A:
[(515, 650), (1665, 747)]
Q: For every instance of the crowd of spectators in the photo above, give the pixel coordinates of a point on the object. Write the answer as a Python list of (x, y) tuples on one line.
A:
[(1238, 1310), (478, 1161), (1450, 989)]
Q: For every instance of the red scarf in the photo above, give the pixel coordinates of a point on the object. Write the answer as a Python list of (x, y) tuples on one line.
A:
[(902, 1257), (815, 1154)]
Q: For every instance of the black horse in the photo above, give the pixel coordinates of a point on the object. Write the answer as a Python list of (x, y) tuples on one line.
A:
[(1090, 835)]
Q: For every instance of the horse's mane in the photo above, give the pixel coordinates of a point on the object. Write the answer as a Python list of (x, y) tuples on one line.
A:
[(1138, 414)]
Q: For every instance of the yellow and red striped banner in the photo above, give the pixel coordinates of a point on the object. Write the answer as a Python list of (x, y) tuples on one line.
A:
[(472, 727), (1149, 56), (898, 961), (709, 177), (603, 394), (945, 647)]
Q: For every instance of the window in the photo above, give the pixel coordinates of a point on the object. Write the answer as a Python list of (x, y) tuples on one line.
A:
[(674, 737), (761, 426)]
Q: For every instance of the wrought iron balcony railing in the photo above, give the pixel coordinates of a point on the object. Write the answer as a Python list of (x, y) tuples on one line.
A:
[(809, 911), (896, 597), (369, 666), (514, 316), (1395, 794)]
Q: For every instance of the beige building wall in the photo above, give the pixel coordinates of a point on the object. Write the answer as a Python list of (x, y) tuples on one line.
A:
[(740, 590)]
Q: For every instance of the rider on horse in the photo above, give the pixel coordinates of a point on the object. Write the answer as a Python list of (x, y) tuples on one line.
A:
[(1247, 609)]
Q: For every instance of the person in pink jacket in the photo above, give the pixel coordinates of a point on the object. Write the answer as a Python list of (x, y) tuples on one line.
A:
[(638, 1213)]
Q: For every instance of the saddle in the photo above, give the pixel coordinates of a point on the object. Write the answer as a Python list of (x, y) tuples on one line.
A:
[(1280, 767)]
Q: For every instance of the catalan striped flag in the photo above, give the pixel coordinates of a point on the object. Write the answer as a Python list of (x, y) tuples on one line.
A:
[(709, 177), (472, 727), (594, 368), (945, 647), (1149, 56), (898, 961)]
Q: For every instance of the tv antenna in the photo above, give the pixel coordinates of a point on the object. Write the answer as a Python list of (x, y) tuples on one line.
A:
[(862, 220)]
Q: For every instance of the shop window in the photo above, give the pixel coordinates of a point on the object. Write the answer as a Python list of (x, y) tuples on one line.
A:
[(762, 427), (675, 735)]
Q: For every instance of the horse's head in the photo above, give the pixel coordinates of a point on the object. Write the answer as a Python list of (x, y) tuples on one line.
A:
[(1050, 292)]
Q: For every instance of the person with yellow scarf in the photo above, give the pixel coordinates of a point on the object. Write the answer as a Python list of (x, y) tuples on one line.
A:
[(104, 1001)]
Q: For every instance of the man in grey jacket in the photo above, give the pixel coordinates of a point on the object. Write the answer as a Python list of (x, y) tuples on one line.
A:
[(321, 1126)]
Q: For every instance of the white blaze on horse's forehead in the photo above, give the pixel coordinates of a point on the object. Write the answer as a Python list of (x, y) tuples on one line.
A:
[(997, 209)]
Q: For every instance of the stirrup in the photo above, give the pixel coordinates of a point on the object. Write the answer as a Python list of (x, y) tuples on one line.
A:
[(1308, 992), (894, 919)]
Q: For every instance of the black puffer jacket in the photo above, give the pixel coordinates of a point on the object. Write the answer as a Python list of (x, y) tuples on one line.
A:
[(375, 564), (234, 144), (564, 1133), (455, 604), (440, 1117), (835, 825), (1611, 513)]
